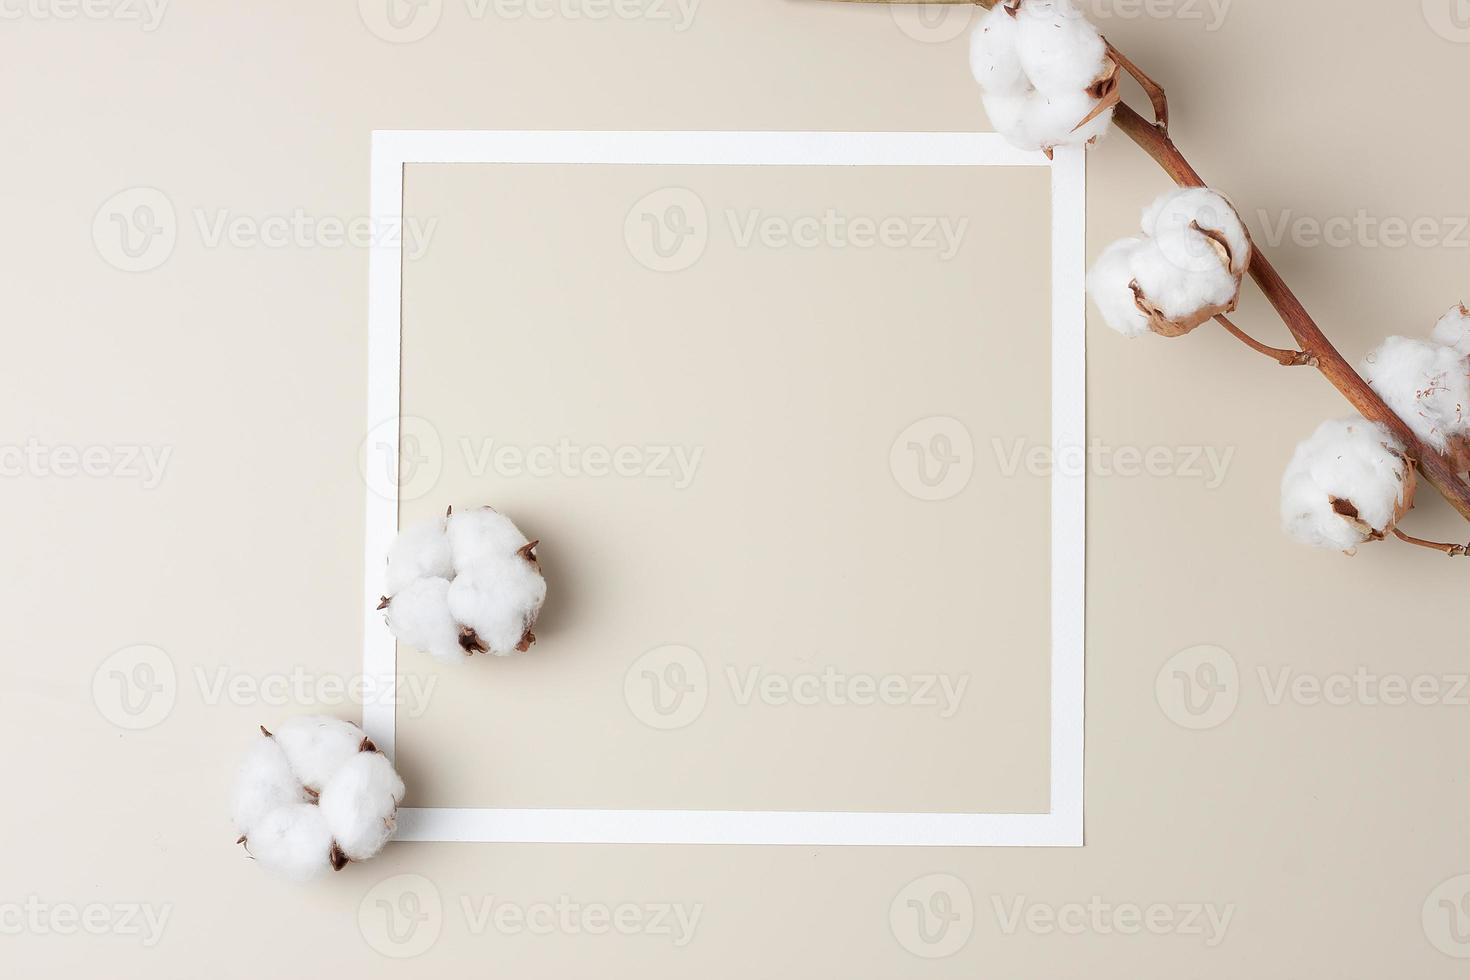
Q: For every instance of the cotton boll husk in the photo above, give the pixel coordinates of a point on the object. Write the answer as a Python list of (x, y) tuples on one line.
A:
[(418, 615), (1347, 484), (1110, 284), (293, 841), (994, 59), (1170, 220), (1060, 51), (1051, 119), (1427, 385), (1182, 296), (264, 783), (1453, 329), (500, 602), (360, 803), (421, 551), (477, 536), (316, 746)]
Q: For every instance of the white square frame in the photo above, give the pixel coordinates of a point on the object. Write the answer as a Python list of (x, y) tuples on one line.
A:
[(1063, 825)]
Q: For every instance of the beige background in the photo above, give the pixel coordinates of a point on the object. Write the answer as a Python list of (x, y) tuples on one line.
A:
[(1324, 829), (796, 547)]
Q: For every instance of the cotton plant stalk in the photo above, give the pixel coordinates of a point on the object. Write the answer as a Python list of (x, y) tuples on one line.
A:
[(1439, 463)]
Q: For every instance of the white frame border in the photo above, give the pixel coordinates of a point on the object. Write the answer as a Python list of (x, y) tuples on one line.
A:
[(1063, 826)]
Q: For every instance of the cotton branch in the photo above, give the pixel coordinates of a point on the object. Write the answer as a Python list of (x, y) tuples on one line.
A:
[(1153, 138), (1286, 358), (1452, 550)]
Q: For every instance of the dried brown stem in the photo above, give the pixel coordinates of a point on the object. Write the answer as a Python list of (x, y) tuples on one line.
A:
[(1286, 358), (1452, 550), (1154, 139)]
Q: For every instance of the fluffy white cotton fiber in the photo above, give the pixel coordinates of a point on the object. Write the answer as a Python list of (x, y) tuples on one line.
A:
[(1185, 271), (314, 795), (1348, 484), (489, 598), (1426, 384), (360, 805), (1042, 70), (421, 551), (1453, 329)]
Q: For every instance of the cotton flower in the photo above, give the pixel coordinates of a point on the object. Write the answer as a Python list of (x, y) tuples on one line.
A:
[(1428, 386), (314, 795), (1045, 76), (1348, 484), (1185, 271), (1453, 329), (464, 584)]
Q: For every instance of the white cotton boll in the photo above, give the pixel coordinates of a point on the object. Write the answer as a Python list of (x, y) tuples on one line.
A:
[(1177, 291), (476, 536), (1453, 329), (418, 616), (1348, 484), (500, 602), (1007, 114), (994, 59), (1110, 284), (293, 841), (265, 782), (317, 746), (1170, 221), (1427, 385), (1052, 119), (421, 551), (1060, 51), (360, 804)]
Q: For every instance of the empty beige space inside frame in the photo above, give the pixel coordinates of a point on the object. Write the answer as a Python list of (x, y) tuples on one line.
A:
[(782, 430)]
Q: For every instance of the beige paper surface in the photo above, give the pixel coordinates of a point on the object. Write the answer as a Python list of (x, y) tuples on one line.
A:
[(751, 449)]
